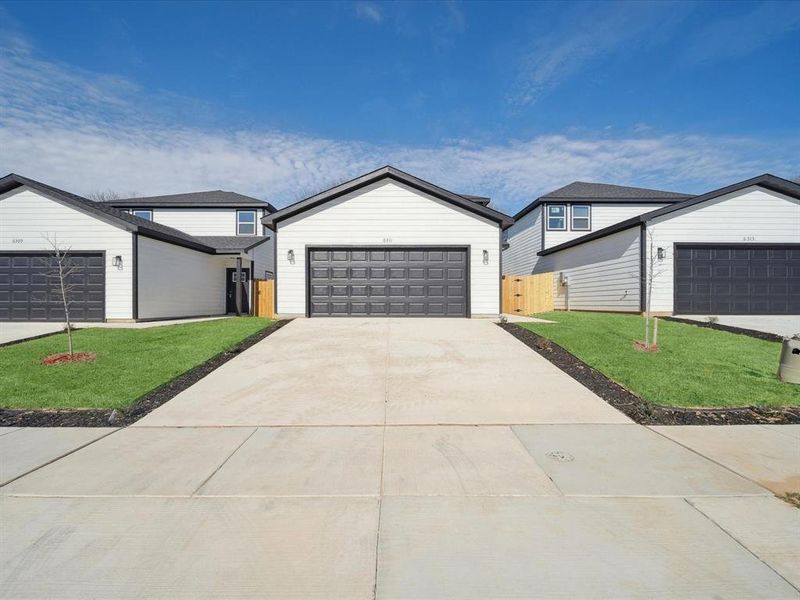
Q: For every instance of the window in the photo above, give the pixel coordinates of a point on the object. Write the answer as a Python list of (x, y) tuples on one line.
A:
[(245, 222), (143, 213), (556, 217), (581, 217)]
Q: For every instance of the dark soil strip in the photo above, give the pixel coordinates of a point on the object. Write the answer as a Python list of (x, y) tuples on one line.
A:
[(638, 409), (142, 406), (761, 335)]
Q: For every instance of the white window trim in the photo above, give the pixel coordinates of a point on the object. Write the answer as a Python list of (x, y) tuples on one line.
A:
[(547, 217), (254, 223), (588, 218), (133, 211)]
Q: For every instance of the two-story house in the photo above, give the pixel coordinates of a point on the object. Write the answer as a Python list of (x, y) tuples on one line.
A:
[(569, 213), (730, 251), (164, 257)]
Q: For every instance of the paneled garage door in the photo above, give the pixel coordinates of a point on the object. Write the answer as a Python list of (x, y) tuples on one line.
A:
[(737, 280), (388, 282), (29, 288)]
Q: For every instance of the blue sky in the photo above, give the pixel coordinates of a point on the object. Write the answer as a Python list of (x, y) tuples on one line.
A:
[(508, 100)]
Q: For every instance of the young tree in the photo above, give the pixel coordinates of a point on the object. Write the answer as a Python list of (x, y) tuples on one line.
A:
[(654, 270), (61, 268)]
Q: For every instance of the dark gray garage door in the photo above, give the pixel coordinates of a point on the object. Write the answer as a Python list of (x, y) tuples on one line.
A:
[(381, 282), (737, 280), (29, 288)]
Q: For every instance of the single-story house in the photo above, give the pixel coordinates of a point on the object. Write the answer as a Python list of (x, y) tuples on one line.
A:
[(129, 266), (735, 250), (388, 244)]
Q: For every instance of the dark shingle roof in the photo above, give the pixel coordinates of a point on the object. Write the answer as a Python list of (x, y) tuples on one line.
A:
[(109, 213), (210, 199), (482, 200), (604, 192), (386, 172), (232, 243), (581, 190), (766, 181)]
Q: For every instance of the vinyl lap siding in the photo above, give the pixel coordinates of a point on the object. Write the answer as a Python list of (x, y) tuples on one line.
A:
[(750, 216), (603, 215), (179, 282), (388, 214), (263, 257), (201, 221), (28, 216), (603, 274), (524, 242)]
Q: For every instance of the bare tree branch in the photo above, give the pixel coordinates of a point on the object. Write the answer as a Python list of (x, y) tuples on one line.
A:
[(61, 267)]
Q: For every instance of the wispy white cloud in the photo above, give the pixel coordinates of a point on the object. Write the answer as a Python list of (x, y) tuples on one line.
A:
[(85, 132), (585, 32), (369, 11), (744, 33)]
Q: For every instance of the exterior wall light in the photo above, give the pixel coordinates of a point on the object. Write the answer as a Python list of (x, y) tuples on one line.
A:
[(290, 256), (662, 254), (117, 262), (486, 257)]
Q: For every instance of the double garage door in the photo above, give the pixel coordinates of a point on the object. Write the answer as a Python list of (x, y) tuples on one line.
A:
[(30, 287), (388, 282), (737, 280)]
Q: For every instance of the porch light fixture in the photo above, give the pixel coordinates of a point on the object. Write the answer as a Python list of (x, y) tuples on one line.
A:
[(486, 257), (290, 256), (662, 254), (117, 262)]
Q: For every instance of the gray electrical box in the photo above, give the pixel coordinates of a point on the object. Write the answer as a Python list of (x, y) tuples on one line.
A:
[(789, 369)]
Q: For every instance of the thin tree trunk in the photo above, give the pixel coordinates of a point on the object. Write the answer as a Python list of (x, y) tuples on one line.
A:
[(61, 277)]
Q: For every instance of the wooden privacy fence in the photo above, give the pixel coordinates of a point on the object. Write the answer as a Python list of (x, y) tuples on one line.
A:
[(527, 294), (264, 306)]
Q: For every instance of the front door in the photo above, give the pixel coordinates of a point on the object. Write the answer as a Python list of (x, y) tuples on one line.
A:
[(230, 290)]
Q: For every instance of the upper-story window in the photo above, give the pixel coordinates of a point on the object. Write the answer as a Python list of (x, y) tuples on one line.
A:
[(556, 217), (581, 218), (143, 213), (245, 222)]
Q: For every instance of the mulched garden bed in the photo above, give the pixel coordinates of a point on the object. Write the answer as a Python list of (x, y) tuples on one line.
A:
[(761, 335), (150, 401), (638, 409)]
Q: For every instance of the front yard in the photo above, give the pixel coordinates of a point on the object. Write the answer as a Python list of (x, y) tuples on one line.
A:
[(129, 364), (695, 367)]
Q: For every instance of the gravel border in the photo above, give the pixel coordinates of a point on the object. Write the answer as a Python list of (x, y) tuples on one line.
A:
[(638, 409), (150, 401), (761, 335)]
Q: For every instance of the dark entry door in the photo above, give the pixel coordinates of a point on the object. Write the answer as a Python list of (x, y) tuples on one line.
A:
[(230, 290), (388, 282), (737, 279), (30, 288)]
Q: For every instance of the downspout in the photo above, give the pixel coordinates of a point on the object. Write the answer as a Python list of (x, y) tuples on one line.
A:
[(238, 286)]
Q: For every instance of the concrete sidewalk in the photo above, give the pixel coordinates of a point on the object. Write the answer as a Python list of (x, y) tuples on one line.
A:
[(356, 489)]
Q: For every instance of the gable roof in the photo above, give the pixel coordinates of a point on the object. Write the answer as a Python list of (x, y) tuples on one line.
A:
[(604, 192), (766, 181), (109, 214), (209, 199), (484, 200), (387, 172), (238, 243)]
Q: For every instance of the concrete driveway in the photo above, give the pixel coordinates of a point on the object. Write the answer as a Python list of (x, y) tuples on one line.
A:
[(13, 332), (397, 459)]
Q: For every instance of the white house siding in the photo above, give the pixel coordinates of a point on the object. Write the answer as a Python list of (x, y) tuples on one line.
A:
[(27, 217), (202, 221), (602, 274), (603, 215), (263, 257), (388, 214), (753, 215), (524, 242), (179, 282)]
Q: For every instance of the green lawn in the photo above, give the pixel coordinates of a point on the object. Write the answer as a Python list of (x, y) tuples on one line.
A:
[(130, 363), (695, 367)]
